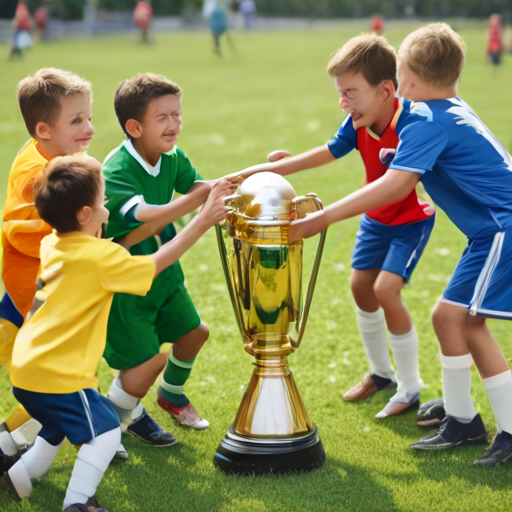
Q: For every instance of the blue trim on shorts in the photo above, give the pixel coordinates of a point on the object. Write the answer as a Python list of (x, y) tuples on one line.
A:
[(481, 278), (8, 311), (79, 416), (395, 249)]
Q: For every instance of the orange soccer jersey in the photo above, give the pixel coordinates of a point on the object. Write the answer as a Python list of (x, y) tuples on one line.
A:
[(22, 228)]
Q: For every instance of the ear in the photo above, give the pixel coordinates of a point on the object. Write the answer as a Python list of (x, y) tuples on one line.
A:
[(43, 131), (84, 215), (387, 89), (133, 128)]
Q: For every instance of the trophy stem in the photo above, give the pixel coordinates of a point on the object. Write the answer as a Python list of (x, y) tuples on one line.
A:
[(272, 432)]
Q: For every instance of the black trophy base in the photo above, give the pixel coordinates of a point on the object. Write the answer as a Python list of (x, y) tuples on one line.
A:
[(241, 455)]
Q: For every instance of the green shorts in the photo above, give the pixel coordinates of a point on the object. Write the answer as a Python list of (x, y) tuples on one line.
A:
[(137, 326)]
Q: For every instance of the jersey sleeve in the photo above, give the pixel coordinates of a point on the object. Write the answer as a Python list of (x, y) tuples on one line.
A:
[(120, 272), (186, 175), (345, 139), (421, 143), (123, 192)]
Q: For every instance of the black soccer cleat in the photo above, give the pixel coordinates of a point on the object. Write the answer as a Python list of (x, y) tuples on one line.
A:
[(149, 431), (431, 413), (451, 433), (500, 451)]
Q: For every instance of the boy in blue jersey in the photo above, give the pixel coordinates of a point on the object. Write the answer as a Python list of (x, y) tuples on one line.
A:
[(469, 175)]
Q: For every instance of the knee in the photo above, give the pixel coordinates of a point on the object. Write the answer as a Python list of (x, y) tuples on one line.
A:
[(201, 334), (385, 293), (359, 287), (444, 317)]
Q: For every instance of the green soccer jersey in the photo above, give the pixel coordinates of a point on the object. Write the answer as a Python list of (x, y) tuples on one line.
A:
[(129, 180), (137, 326)]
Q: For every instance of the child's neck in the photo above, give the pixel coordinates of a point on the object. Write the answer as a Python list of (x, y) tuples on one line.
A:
[(47, 150), (151, 157), (386, 115), (433, 93)]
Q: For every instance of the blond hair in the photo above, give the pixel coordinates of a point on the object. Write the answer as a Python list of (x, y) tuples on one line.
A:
[(368, 54), (133, 96), (435, 53), (40, 96)]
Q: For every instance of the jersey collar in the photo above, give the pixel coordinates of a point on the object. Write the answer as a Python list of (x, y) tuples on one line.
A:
[(152, 171)]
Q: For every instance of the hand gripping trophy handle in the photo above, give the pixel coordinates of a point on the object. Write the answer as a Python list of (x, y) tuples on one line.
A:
[(272, 431)]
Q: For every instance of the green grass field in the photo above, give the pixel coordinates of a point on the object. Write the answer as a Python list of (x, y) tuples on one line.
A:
[(273, 94)]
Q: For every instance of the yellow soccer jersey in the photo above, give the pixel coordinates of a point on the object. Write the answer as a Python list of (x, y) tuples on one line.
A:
[(22, 228), (58, 350)]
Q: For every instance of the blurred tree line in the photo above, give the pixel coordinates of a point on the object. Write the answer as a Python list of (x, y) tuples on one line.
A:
[(73, 9)]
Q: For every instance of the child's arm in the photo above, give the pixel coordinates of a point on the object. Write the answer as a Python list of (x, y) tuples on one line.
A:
[(212, 213), (308, 160), (394, 186), (174, 210)]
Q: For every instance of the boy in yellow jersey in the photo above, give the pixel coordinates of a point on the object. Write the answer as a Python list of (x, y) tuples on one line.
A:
[(56, 108), (58, 350)]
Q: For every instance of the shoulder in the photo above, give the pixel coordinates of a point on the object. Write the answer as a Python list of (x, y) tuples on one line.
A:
[(119, 156), (29, 157)]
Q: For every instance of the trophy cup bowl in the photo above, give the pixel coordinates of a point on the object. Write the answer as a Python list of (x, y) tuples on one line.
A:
[(272, 432)]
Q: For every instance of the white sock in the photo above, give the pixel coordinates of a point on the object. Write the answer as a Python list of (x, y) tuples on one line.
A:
[(91, 462), (372, 327), (458, 402), (499, 392), (405, 353), (35, 463), (123, 403), (7, 444)]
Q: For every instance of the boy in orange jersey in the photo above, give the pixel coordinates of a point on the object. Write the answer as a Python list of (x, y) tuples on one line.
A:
[(56, 108)]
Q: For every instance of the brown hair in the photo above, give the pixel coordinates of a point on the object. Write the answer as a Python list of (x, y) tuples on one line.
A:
[(40, 96), (67, 185), (368, 54), (435, 53), (133, 96)]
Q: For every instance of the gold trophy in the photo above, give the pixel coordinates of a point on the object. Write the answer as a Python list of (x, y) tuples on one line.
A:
[(272, 432)]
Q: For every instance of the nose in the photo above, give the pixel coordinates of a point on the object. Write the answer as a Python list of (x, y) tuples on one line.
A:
[(90, 128), (343, 102)]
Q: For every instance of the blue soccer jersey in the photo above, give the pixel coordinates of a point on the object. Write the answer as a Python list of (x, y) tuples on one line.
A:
[(465, 170)]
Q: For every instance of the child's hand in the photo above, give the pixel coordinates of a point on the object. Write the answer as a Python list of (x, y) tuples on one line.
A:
[(278, 155), (214, 210), (308, 227)]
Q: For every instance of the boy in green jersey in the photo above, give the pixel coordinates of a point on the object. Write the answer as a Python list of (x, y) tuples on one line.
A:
[(141, 177)]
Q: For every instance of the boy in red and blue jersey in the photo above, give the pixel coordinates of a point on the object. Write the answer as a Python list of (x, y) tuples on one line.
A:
[(390, 239)]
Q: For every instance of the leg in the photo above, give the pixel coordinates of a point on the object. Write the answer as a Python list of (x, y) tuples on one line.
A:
[(171, 396), (91, 463), (137, 381), (372, 327), (403, 340), (35, 463), (463, 424)]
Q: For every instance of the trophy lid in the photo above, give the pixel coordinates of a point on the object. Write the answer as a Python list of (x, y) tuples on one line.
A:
[(265, 197)]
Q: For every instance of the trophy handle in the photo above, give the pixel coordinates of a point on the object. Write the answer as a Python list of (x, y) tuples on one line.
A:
[(225, 268), (302, 206)]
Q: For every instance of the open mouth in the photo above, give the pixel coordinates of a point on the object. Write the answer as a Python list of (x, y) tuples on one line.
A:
[(356, 116)]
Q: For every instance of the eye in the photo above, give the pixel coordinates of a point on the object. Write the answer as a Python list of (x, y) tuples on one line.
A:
[(77, 121)]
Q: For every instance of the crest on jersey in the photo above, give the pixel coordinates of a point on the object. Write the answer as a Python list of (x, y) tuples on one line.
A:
[(386, 155)]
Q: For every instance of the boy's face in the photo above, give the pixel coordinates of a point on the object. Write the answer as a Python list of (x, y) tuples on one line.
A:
[(410, 85), (358, 98), (73, 130), (161, 125)]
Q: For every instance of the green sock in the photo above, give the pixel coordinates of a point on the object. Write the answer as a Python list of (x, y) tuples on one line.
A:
[(176, 374)]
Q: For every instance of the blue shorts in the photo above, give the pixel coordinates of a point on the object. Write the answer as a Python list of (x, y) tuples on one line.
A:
[(481, 280), (79, 416), (395, 249), (8, 311)]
